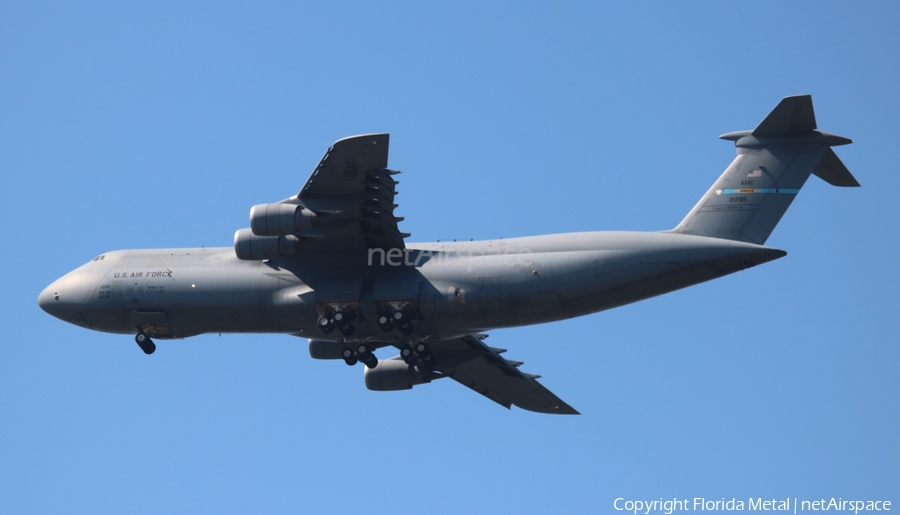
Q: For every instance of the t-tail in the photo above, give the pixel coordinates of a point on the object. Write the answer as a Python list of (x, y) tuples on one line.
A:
[(773, 162)]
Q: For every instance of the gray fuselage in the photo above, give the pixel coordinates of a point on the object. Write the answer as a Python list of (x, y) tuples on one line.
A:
[(456, 288)]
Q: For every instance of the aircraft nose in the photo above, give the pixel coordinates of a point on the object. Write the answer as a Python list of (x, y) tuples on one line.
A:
[(67, 298), (56, 301), (47, 298)]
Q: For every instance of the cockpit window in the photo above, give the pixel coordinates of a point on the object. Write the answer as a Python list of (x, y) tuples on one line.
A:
[(101, 257)]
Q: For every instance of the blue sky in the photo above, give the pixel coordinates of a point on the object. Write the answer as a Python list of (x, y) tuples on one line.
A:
[(132, 125)]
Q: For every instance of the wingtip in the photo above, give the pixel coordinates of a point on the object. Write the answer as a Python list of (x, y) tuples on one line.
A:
[(555, 409), (561, 410)]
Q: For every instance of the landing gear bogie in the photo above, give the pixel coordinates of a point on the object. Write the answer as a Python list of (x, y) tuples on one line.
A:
[(398, 314), (361, 353), (417, 353), (338, 316)]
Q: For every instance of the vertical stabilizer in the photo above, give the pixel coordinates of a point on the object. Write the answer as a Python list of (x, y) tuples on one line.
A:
[(773, 162)]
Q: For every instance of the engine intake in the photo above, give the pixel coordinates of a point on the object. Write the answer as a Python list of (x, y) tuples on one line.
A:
[(280, 219), (394, 374), (249, 246)]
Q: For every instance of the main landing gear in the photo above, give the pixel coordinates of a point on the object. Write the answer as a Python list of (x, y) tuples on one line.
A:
[(145, 343), (360, 352), (400, 318), (412, 354), (339, 319)]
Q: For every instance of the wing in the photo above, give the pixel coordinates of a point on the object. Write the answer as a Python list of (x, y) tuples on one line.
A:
[(472, 363), (352, 192)]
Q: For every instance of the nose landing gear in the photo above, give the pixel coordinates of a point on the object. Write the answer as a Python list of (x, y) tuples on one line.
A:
[(145, 343)]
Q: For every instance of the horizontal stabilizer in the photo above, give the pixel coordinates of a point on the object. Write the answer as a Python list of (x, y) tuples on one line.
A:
[(793, 115), (832, 170)]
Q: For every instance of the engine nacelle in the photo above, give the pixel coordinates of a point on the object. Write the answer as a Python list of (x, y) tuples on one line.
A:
[(394, 374), (252, 247), (324, 349), (280, 219)]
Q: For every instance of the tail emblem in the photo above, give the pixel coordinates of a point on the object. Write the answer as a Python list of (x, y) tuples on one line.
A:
[(746, 191)]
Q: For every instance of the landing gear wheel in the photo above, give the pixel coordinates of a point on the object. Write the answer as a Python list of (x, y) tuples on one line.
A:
[(325, 324), (349, 357), (424, 353), (408, 355), (369, 360), (385, 322), (145, 343), (346, 329), (365, 356), (341, 319), (401, 320)]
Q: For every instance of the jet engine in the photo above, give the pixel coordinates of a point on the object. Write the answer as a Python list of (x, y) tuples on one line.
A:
[(249, 246), (324, 349), (280, 219), (394, 374)]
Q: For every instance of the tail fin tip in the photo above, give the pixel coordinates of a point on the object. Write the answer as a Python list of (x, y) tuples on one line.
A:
[(793, 115)]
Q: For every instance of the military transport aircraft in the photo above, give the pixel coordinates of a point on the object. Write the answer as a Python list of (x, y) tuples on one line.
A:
[(330, 264)]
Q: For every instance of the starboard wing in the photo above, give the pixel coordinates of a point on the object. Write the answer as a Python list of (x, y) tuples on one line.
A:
[(470, 362)]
